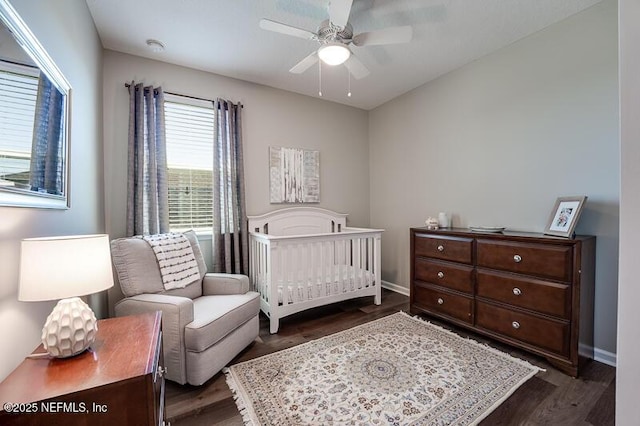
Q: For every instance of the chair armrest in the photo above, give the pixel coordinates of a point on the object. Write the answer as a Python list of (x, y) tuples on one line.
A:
[(177, 312), (224, 284)]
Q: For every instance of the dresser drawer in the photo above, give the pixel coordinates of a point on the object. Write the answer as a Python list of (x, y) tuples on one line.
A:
[(451, 275), (443, 302), (541, 260), (541, 332), (543, 296), (443, 247)]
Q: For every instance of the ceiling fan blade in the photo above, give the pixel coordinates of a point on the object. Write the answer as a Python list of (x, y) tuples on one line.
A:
[(269, 25), (391, 35), (339, 11), (356, 68), (305, 64)]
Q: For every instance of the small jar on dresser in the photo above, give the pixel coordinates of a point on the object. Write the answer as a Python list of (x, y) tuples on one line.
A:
[(529, 290)]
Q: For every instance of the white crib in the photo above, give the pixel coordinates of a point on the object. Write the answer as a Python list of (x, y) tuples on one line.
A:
[(303, 257)]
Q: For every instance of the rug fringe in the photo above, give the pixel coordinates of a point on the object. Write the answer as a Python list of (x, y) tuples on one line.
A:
[(238, 398), (484, 345), (498, 402)]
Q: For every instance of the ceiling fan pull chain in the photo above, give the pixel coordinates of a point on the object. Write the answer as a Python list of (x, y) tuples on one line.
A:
[(320, 78), (349, 84)]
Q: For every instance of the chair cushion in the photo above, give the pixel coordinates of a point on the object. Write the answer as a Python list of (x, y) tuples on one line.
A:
[(137, 268), (216, 316)]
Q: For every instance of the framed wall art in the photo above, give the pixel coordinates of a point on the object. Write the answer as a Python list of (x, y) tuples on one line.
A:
[(294, 175), (564, 216)]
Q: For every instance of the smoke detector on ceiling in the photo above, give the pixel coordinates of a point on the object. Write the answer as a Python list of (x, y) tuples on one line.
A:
[(155, 45)]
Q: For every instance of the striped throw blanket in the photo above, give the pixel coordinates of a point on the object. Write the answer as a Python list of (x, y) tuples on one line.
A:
[(177, 262)]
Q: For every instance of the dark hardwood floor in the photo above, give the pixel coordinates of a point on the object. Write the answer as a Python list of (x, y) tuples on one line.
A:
[(550, 398)]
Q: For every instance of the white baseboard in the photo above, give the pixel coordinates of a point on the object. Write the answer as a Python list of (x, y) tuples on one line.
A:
[(395, 287), (599, 355)]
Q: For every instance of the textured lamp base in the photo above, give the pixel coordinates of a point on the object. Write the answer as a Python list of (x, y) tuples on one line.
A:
[(70, 328)]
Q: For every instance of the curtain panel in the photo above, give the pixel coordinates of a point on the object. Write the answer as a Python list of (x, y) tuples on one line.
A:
[(147, 192), (46, 169), (230, 236)]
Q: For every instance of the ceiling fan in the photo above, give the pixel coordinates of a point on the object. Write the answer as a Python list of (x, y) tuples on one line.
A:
[(335, 35)]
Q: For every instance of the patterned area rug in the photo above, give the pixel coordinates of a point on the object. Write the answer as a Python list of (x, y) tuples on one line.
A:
[(397, 370)]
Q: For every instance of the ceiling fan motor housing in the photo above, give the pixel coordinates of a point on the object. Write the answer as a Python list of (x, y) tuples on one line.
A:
[(328, 33)]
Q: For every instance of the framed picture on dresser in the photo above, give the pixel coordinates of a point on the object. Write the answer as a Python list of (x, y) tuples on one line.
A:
[(564, 216)]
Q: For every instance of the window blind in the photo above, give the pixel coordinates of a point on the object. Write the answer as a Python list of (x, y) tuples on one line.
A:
[(18, 93), (189, 136)]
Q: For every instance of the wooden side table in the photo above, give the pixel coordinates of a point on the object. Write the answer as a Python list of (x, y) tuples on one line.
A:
[(118, 381)]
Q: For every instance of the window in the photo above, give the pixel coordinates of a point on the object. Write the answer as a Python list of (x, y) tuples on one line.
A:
[(18, 93), (189, 136)]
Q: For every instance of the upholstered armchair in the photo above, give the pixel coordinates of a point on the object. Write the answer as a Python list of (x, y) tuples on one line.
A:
[(204, 325)]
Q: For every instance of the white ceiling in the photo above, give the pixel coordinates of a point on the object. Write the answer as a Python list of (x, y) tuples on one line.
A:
[(223, 37)]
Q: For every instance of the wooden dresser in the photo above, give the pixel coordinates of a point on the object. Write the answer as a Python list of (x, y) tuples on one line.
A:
[(529, 290), (118, 381)]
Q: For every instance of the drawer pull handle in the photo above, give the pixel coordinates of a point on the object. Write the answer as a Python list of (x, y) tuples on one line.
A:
[(440, 274), (517, 258), (515, 325), (440, 301), (517, 291), (440, 247)]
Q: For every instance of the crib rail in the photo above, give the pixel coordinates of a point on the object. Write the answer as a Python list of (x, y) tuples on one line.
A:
[(288, 270)]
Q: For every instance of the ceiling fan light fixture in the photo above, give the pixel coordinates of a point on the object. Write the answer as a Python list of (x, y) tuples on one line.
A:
[(334, 53)]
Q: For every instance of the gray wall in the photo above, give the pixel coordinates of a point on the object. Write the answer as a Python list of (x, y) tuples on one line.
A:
[(628, 377), (271, 117), (497, 141), (66, 31)]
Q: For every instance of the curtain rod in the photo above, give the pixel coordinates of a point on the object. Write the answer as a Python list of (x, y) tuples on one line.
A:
[(184, 96)]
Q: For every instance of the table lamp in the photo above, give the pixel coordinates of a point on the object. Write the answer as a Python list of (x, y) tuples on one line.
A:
[(64, 268)]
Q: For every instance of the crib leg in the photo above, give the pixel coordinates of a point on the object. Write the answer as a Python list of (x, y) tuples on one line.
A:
[(377, 299), (274, 324)]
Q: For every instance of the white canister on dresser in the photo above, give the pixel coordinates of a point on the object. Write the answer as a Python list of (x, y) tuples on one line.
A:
[(444, 220)]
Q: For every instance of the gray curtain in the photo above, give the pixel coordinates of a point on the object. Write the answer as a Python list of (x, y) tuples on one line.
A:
[(46, 169), (147, 192), (230, 237)]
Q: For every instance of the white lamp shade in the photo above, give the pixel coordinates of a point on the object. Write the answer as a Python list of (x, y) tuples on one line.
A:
[(334, 53), (54, 268)]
